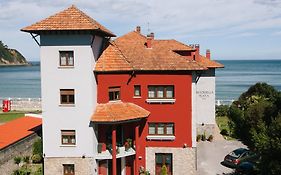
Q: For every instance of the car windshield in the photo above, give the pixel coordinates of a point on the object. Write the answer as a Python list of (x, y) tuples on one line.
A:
[(237, 153)]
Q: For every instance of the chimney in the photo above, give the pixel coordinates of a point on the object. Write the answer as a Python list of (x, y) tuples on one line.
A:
[(138, 29), (208, 54), (150, 38), (197, 52)]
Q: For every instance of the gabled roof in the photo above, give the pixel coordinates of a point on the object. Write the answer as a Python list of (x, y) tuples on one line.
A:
[(118, 112), (71, 19), (17, 129), (161, 57)]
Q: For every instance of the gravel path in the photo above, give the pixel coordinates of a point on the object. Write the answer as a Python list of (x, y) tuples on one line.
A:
[(210, 154)]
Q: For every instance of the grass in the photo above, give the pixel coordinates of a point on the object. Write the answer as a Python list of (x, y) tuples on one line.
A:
[(9, 116), (223, 123)]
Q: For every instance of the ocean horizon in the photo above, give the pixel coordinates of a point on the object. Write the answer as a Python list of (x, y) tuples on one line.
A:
[(231, 81)]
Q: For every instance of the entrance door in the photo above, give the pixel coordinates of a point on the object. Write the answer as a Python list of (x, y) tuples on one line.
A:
[(163, 163)]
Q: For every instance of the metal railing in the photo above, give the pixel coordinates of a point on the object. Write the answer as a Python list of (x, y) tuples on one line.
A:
[(23, 104)]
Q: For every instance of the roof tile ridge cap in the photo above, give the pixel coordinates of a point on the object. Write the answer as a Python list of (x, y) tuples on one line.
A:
[(182, 43), (124, 57)]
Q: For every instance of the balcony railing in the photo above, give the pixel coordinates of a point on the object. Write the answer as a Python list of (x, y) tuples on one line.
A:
[(121, 151)]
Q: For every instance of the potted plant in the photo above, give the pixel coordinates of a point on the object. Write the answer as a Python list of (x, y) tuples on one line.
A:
[(198, 138), (211, 138), (128, 144)]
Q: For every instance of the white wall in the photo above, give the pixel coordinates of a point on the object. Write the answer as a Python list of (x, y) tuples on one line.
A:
[(77, 117), (203, 99)]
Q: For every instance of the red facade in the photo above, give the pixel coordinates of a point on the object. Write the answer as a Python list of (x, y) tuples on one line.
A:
[(178, 112)]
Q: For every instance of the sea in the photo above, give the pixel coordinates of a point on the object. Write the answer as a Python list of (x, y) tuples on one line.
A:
[(231, 81)]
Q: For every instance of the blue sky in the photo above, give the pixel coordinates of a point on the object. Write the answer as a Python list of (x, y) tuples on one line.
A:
[(232, 29)]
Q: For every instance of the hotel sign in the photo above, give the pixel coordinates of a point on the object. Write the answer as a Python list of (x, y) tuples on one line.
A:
[(204, 94)]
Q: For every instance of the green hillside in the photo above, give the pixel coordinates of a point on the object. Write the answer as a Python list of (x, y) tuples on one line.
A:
[(10, 56)]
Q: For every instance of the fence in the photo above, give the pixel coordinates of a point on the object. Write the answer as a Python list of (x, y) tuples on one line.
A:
[(24, 104)]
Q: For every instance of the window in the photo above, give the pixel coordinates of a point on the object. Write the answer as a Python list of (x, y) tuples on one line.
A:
[(68, 169), (67, 96), (161, 92), (137, 90), (66, 58), (114, 93), (162, 159), (161, 129), (68, 137)]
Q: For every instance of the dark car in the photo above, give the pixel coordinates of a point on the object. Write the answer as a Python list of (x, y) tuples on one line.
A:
[(234, 158), (246, 168)]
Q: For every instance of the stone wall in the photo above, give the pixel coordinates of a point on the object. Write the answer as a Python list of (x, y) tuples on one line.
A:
[(20, 148), (82, 166), (184, 159)]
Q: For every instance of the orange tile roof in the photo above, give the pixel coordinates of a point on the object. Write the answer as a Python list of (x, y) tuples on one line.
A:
[(118, 112), (69, 19), (204, 61), (17, 129), (116, 59), (160, 57)]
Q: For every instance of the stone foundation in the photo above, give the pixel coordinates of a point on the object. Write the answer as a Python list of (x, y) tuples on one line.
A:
[(184, 159), (82, 166)]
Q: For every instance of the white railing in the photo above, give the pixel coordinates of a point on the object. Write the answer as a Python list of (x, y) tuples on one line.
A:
[(224, 102), (23, 104)]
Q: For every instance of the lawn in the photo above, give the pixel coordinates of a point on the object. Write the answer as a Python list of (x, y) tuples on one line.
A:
[(5, 117), (223, 123)]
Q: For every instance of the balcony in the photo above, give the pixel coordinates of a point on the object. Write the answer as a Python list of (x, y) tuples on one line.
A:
[(105, 150)]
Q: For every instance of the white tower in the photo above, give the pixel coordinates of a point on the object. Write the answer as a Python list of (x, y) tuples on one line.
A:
[(70, 43)]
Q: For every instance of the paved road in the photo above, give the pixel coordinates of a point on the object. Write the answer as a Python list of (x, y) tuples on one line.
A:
[(210, 154)]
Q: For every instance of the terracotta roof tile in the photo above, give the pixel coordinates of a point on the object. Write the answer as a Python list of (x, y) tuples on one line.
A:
[(160, 57), (70, 19), (17, 129), (112, 60), (118, 112), (209, 63)]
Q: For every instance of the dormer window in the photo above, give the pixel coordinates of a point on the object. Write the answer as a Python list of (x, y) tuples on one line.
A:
[(66, 58), (114, 93)]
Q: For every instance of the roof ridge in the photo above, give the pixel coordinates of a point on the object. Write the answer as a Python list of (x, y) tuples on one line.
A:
[(125, 58)]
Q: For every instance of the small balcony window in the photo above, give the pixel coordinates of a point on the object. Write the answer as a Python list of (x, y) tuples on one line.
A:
[(67, 96), (162, 92), (66, 58), (68, 137), (114, 93), (161, 128)]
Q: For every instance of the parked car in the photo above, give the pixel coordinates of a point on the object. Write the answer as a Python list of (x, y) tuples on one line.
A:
[(234, 158), (246, 168)]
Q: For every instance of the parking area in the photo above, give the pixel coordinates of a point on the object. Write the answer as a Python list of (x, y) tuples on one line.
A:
[(210, 155)]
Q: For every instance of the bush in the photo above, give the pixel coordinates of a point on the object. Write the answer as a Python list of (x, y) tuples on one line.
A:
[(36, 158), (211, 138), (22, 171), (17, 160), (222, 110), (37, 147), (39, 171), (203, 137), (26, 159), (198, 138), (224, 132), (164, 170)]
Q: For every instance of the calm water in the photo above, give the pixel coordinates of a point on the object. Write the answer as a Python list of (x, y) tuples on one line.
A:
[(235, 78)]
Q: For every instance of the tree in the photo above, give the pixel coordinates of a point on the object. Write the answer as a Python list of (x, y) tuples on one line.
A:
[(256, 120)]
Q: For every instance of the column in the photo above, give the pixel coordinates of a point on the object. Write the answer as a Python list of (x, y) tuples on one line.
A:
[(114, 161), (137, 149)]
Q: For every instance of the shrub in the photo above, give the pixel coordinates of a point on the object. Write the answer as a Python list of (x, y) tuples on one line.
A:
[(36, 158), (203, 138), (17, 160), (211, 138), (22, 171), (224, 132), (164, 170), (26, 159), (39, 171), (37, 147), (198, 138)]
